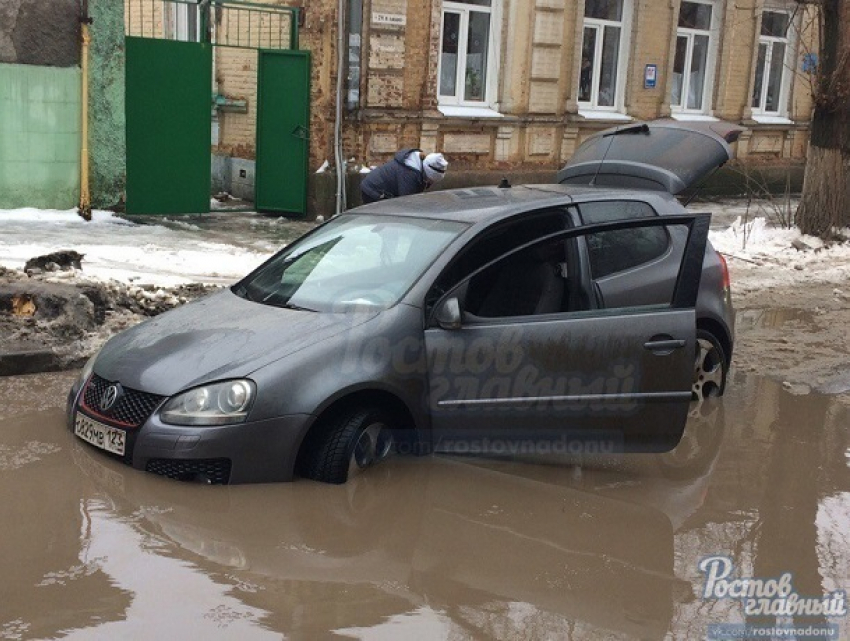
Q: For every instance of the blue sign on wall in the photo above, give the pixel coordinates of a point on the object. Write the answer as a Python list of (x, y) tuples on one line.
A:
[(810, 62), (650, 76)]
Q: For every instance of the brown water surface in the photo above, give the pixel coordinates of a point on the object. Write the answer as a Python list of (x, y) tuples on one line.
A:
[(599, 548)]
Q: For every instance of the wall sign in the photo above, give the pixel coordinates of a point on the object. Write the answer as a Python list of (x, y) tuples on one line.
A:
[(389, 19), (650, 76), (810, 63)]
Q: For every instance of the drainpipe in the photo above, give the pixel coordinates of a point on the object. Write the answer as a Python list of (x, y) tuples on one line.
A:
[(340, 70), (85, 198)]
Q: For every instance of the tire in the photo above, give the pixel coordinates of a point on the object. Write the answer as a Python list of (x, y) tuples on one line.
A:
[(710, 367), (354, 440)]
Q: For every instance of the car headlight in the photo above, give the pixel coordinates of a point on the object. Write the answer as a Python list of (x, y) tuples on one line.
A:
[(216, 404)]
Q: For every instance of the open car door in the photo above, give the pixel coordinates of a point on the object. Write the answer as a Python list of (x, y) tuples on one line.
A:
[(520, 363)]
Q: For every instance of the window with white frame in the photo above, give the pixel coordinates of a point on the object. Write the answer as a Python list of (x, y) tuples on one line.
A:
[(181, 21), (693, 64), (770, 86), (467, 53), (603, 54)]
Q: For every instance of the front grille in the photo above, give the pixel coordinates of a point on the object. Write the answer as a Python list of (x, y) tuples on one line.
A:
[(130, 410), (213, 471)]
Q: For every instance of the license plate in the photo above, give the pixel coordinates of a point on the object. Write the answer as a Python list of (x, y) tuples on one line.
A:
[(100, 435)]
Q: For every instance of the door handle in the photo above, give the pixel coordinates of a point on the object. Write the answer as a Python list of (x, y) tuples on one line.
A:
[(301, 132), (665, 345)]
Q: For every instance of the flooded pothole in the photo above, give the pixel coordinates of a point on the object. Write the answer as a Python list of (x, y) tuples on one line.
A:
[(774, 317), (434, 547)]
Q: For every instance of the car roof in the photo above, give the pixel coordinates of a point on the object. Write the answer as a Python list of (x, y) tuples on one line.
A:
[(482, 204)]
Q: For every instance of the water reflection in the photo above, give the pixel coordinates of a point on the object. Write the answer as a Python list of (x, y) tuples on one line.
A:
[(439, 547)]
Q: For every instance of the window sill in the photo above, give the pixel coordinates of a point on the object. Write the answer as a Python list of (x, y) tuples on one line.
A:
[(771, 120), (686, 117), (597, 114), (455, 111)]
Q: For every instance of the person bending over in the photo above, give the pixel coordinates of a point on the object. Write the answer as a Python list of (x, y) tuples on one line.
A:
[(409, 172)]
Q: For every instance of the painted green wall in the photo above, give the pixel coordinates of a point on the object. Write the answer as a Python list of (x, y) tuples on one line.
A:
[(107, 145), (39, 136)]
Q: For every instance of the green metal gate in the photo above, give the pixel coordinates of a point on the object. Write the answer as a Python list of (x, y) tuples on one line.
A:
[(169, 102), (283, 126), (168, 126)]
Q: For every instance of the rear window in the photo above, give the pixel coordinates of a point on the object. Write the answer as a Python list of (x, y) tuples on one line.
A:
[(611, 252)]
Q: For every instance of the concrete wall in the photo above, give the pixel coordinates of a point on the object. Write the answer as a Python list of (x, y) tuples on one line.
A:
[(107, 144), (39, 136), (235, 176), (40, 32), (40, 93)]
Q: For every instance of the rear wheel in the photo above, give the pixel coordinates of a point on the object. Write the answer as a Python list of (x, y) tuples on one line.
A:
[(710, 367), (355, 440)]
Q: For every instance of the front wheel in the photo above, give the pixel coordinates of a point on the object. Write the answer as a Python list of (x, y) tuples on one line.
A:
[(354, 441)]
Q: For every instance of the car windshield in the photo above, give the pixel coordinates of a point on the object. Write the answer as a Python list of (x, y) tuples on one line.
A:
[(355, 260)]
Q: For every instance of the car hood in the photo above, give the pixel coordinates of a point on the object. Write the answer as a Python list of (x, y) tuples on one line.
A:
[(218, 337), (665, 155)]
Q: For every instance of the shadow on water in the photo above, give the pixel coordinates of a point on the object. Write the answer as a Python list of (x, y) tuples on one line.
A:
[(597, 547)]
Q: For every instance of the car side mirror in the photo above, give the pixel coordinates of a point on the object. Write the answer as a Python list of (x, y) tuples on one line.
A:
[(448, 315)]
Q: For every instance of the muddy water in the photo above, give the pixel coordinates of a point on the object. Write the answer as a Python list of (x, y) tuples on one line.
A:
[(422, 548)]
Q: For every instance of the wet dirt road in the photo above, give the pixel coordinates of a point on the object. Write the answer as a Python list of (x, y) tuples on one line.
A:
[(422, 548)]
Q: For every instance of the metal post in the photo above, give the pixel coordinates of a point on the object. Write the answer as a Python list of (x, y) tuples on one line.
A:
[(293, 28), (85, 196)]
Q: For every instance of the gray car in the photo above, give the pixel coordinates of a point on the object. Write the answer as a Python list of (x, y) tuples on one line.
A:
[(533, 319)]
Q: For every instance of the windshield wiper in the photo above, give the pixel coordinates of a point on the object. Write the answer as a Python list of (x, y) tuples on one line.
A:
[(295, 307)]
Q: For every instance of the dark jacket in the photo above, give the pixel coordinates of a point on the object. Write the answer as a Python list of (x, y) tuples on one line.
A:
[(393, 179)]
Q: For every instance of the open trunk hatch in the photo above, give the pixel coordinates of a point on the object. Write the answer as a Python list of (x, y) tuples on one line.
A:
[(665, 155)]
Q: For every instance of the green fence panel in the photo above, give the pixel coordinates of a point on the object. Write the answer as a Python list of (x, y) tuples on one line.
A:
[(283, 125), (168, 126)]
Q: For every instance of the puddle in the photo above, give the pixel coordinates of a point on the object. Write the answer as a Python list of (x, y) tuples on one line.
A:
[(773, 317), (835, 382), (592, 548)]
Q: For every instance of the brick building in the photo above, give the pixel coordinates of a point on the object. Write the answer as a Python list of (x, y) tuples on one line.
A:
[(514, 85), (518, 84)]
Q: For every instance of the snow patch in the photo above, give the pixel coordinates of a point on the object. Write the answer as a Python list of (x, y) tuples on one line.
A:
[(67, 216), (764, 255)]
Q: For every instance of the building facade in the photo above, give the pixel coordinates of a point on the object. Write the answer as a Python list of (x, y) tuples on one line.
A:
[(496, 85), (518, 84)]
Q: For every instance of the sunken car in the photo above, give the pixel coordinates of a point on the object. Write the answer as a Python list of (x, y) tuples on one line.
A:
[(564, 317)]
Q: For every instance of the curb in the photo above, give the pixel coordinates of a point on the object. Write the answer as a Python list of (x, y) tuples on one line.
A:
[(34, 362)]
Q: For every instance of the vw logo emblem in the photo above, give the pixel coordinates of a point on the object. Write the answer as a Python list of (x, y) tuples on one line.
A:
[(109, 397)]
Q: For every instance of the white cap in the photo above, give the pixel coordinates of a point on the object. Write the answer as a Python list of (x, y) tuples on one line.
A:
[(435, 166)]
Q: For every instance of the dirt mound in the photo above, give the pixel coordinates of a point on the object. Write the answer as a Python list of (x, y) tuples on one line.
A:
[(55, 320)]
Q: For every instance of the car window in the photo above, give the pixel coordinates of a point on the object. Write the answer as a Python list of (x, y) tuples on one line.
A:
[(497, 241), (611, 252), (530, 282), (542, 280)]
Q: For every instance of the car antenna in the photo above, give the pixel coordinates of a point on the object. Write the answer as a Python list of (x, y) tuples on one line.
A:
[(642, 128)]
